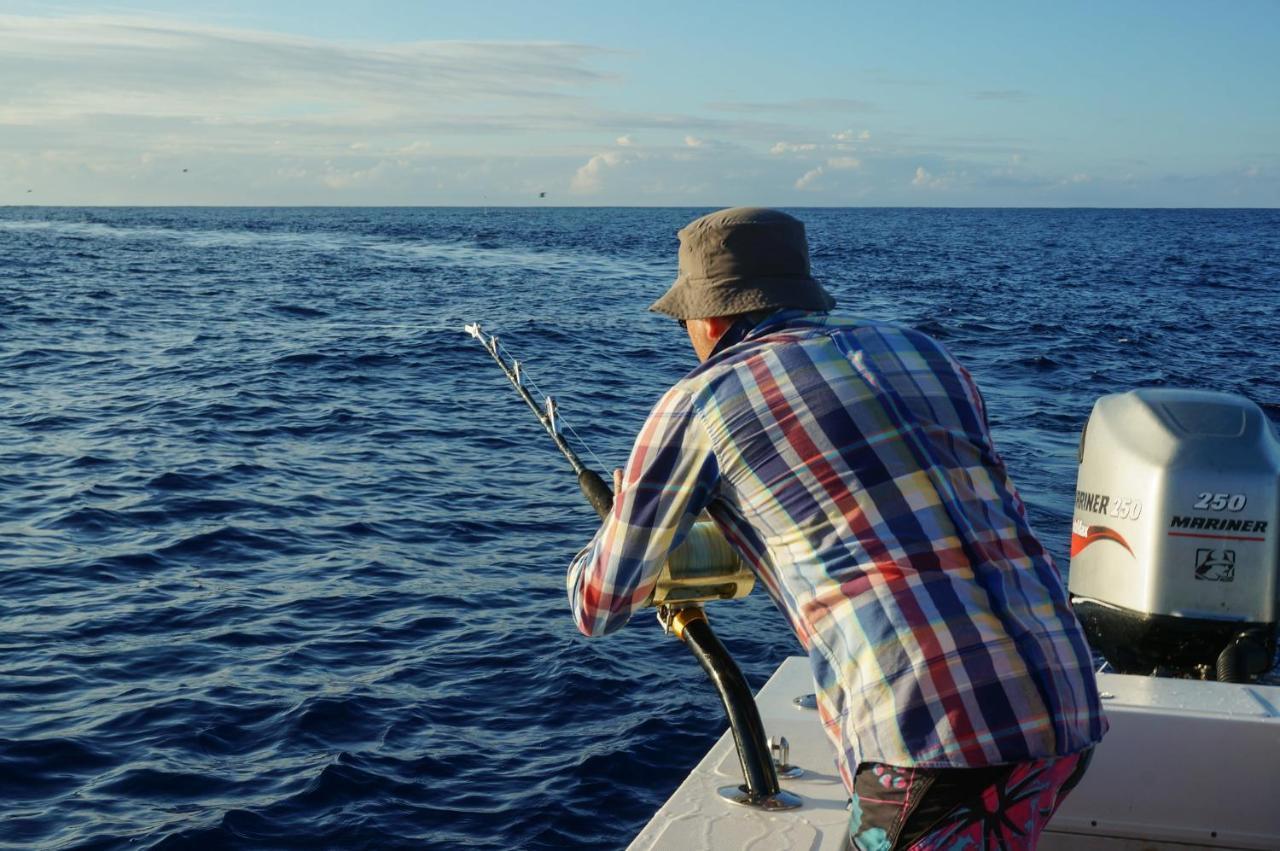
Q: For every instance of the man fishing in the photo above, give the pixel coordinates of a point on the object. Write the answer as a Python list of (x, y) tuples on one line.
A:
[(849, 462)]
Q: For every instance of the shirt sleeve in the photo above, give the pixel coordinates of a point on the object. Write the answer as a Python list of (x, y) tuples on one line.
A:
[(669, 479)]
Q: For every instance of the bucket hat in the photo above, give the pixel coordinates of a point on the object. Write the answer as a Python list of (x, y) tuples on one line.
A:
[(741, 260)]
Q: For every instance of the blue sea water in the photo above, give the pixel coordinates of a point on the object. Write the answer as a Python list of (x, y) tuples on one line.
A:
[(282, 554)]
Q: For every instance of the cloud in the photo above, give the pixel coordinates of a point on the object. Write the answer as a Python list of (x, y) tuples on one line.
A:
[(111, 108), (264, 108), (339, 178), (89, 68), (841, 140), (589, 179), (415, 148), (925, 179), (792, 148), (809, 178), (207, 89), (1007, 179), (809, 181)]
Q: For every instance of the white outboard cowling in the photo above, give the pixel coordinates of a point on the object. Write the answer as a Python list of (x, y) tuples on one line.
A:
[(1175, 550)]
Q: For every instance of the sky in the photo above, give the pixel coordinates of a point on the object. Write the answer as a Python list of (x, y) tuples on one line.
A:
[(643, 102)]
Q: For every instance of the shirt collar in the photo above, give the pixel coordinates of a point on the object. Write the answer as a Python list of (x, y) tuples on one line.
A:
[(788, 316), (743, 329)]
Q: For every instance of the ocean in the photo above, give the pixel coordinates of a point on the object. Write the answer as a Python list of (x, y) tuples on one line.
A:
[(282, 554)]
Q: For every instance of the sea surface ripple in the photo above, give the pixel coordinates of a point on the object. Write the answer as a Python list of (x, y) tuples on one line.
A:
[(282, 554)]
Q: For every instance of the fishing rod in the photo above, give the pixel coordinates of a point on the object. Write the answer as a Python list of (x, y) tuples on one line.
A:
[(703, 568), (594, 488)]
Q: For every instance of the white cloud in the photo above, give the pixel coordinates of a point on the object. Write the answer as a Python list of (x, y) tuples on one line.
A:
[(414, 148), (270, 117), (850, 136), (841, 143), (925, 179), (589, 179), (111, 108), (792, 148), (115, 71), (809, 178), (351, 178)]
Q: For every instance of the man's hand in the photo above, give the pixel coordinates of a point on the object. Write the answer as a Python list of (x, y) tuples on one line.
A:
[(617, 481)]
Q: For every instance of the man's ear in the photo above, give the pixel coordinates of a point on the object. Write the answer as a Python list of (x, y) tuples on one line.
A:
[(717, 326)]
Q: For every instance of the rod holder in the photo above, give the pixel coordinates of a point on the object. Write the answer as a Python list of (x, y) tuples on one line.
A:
[(760, 789)]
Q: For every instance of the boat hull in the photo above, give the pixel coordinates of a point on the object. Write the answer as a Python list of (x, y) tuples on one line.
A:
[(1186, 765)]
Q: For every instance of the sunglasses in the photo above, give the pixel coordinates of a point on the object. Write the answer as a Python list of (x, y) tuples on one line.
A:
[(683, 323)]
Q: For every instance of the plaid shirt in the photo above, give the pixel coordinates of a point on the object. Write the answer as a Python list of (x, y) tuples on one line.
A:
[(850, 463)]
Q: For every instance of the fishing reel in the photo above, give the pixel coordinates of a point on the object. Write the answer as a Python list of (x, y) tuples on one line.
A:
[(703, 568)]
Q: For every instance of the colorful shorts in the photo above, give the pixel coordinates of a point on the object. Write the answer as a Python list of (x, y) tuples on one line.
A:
[(1001, 807)]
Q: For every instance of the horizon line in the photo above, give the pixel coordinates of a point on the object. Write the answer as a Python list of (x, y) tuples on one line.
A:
[(599, 207)]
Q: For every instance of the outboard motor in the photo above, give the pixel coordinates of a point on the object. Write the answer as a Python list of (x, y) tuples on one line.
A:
[(1175, 551)]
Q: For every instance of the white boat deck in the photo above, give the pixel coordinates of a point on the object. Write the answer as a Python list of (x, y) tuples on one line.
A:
[(1186, 765)]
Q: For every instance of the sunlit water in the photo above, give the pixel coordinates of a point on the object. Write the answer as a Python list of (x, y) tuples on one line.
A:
[(282, 554)]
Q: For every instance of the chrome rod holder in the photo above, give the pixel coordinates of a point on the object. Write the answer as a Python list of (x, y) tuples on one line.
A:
[(780, 750)]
